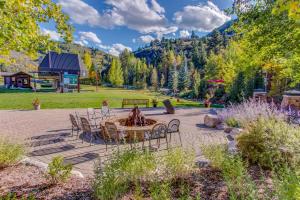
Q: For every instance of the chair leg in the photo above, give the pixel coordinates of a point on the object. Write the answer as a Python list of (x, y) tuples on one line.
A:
[(91, 138), (180, 138), (72, 130), (167, 142)]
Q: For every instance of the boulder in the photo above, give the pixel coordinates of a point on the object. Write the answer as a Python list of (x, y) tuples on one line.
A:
[(221, 126), (236, 131), (211, 121), (228, 129)]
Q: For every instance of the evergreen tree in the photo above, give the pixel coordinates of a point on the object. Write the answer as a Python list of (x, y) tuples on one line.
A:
[(196, 83), (125, 58), (173, 80), (237, 91), (183, 79), (154, 78)]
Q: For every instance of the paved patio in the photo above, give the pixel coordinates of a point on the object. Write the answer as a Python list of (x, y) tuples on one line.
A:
[(48, 133)]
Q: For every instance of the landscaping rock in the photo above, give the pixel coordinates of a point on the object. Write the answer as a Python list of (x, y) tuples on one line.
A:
[(201, 162), (236, 131), (232, 148), (221, 126), (228, 129), (211, 121), (230, 138)]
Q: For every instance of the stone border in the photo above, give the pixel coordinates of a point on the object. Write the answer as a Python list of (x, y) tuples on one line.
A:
[(43, 166)]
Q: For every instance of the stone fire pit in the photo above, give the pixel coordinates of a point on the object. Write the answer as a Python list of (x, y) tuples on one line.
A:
[(136, 125)]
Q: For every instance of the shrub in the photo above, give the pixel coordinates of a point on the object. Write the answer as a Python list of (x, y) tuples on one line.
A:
[(130, 166), (286, 184), (10, 153), (160, 190), (58, 171), (179, 162), (232, 122), (234, 171), (249, 111), (270, 142)]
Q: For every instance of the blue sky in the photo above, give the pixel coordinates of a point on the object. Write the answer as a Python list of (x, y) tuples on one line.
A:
[(113, 25)]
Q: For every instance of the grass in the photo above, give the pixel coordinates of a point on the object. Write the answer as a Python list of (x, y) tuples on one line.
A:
[(10, 153), (19, 99)]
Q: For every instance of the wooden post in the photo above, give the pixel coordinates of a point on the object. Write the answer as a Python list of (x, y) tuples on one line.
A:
[(97, 81), (61, 83), (78, 82)]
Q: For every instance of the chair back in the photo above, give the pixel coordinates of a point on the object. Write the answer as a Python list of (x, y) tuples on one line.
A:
[(112, 130), (104, 133), (105, 112), (91, 113), (159, 130), (73, 121), (173, 126), (86, 127)]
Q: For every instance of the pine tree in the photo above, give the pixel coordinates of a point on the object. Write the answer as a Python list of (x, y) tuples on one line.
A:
[(173, 80), (183, 79), (237, 91), (154, 78), (196, 83)]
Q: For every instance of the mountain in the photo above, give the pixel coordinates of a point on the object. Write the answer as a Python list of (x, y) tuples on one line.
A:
[(212, 42)]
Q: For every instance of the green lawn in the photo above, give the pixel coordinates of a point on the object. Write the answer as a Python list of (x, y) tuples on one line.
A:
[(17, 99)]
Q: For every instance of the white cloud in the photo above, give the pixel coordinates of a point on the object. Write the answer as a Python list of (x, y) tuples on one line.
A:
[(156, 7), (184, 33), (200, 17), (145, 16), (89, 36), (118, 48), (52, 34), (79, 42), (146, 38)]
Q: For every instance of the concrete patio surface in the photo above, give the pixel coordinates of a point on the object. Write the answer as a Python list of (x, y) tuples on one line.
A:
[(48, 134)]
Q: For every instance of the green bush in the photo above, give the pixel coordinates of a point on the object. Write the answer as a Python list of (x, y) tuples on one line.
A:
[(160, 190), (234, 171), (10, 153), (58, 171), (130, 166), (178, 162), (270, 142), (232, 122), (286, 184)]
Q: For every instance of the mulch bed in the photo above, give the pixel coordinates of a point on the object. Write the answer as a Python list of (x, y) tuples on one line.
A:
[(26, 180)]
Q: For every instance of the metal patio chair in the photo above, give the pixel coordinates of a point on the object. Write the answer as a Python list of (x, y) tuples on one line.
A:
[(173, 127), (75, 125), (158, 132), (87, 128)]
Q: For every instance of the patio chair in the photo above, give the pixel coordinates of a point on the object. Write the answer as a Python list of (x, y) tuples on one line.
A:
[(92, 116), (113, 133), (173, 127), (89, 129), (158, 131), (75, 126), (106, 112), (105, 135)]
